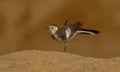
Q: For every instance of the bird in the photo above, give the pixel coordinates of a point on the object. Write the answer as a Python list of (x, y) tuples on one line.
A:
[(68, 32)]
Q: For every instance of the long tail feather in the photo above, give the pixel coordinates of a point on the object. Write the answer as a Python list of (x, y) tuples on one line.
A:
[(88, 31)]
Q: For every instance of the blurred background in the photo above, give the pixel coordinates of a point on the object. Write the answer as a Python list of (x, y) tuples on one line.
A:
[(23, 26)]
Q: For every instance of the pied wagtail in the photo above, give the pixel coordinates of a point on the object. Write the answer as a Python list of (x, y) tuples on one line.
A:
[(68, 31)]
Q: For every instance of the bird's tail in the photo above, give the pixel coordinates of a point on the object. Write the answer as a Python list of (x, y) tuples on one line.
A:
[(88, 31)]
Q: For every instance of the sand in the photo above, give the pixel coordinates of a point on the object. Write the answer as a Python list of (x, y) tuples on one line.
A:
[(49, 61)]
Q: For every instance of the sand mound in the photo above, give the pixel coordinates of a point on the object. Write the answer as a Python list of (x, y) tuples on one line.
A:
[(46, 61)]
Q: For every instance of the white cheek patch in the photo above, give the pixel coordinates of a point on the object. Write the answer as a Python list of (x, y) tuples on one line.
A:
[(53, 31), (68, 32)]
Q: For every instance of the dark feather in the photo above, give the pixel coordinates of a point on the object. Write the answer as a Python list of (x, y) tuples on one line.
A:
[(61, 33), (90, 30), (53, 36)]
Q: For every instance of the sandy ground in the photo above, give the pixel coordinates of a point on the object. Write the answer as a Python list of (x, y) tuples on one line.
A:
[(48, 61)]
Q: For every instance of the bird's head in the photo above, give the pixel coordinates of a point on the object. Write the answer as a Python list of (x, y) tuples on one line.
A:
[(53, 28)]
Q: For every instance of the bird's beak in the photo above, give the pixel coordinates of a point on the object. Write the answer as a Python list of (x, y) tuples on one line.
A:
[(46, 27)]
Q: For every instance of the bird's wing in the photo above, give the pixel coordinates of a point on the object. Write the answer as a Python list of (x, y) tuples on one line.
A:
[(61, 33), (76, 26), (66, 22)]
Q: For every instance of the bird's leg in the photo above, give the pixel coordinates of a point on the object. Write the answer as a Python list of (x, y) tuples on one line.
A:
[(65, 46)]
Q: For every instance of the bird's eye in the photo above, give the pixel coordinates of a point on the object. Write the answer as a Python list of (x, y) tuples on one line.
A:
[(52, 27)]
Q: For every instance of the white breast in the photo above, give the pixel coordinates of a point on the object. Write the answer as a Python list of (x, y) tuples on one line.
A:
[(57, 38), (68, 32)]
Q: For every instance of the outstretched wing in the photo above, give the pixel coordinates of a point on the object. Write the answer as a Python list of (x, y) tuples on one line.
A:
[(75, 27)]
